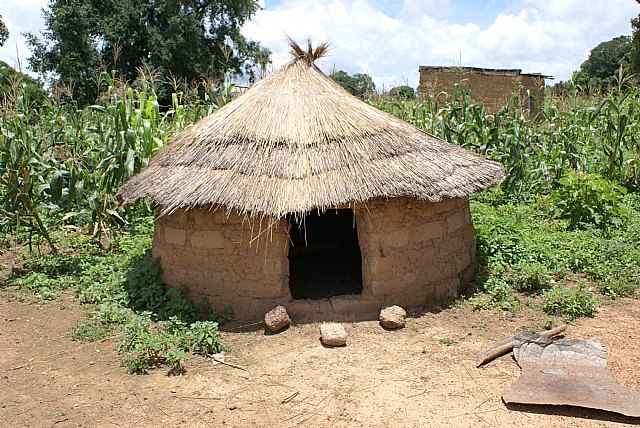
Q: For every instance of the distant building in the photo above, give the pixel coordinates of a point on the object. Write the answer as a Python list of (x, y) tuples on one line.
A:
[(491, 87)]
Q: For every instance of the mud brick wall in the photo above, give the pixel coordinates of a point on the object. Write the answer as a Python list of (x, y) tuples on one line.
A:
[(414, 252), (493, 90), (225, 257)]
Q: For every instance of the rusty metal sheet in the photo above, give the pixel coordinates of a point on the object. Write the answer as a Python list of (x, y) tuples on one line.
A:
[(569, 373)]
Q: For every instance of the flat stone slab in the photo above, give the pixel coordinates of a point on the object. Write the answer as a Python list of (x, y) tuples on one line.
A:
[(333, 334), (569, 373)]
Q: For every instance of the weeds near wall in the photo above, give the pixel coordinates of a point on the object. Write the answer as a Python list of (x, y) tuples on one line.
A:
[(128, 301)]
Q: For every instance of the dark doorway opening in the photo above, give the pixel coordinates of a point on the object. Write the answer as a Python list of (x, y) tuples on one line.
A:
[(324, 256)]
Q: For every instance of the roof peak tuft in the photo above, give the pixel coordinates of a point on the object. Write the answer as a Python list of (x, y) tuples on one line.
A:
[(310, 54)]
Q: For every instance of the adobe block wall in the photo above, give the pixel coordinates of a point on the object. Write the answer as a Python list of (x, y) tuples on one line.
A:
[(215, 254), (535, 96), (415, 252), (493, 91)]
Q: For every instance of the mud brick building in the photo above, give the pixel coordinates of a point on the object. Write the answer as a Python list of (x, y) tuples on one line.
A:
[(493, 88)]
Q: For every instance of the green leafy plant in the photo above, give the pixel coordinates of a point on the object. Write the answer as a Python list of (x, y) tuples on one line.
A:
[(204, 337), (530, 277), (143, 284), (588, 199), (146, 345), (569, 302)]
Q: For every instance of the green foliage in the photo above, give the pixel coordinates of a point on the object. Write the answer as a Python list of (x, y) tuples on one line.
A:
[(13, 83), (4, 32), (568, 302), (359, 85), (143, 284), (531, 277), (521, 249), (146, 345), (65, 162), (403, 92), (204, 337), (43, 286), (634, 54), (176, 40), (605, 60), (588, 199)]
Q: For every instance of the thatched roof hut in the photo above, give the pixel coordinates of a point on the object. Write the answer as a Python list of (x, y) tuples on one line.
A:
[(294, 143)]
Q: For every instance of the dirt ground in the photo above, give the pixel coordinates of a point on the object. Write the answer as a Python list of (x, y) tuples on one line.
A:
[(421, 376)]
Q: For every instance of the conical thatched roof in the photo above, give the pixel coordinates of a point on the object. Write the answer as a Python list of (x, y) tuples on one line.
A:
[(296, 141)]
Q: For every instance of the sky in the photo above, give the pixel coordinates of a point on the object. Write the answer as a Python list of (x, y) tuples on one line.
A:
[(390, 39)]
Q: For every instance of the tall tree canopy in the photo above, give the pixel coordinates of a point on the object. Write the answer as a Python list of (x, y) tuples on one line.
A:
[(4, 32), (359, 85), (178, 39), (404, 92), (13, 83), (603, 64)]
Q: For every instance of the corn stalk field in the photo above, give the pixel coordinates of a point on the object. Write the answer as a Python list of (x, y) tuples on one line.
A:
[(60, 164)]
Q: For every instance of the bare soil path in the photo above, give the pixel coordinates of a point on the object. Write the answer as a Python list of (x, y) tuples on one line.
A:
[(421, 376)]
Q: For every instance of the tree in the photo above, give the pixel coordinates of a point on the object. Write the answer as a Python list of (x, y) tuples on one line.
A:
[(359, 85), (403, 92), (4, 32), (634, 55), (13, 83), (603, 64), (180, 40)]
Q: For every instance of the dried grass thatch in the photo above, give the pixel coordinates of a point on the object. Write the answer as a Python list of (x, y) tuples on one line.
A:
[(297, 141)]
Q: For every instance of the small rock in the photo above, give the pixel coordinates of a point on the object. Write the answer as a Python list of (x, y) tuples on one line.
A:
[(277, 319), (393, 317), (333, 334)]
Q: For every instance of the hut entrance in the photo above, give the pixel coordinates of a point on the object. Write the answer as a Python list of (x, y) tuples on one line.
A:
[(324, 256)]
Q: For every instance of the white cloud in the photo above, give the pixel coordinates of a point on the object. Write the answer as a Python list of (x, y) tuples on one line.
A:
[(548, 36), (20, 16)]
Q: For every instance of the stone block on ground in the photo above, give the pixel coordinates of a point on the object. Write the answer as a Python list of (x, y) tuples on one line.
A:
[(333, 334), (393, 317), (277, 319)]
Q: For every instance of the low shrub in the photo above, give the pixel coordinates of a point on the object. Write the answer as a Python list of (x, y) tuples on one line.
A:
[(588, 199), (569, 302)]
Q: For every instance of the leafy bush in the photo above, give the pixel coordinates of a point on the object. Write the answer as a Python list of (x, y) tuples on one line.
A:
[(519, 250), (585, 199), (568, 302), (531, 278), (146, 345), (502, 294), (143, 284), (204, 337)]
